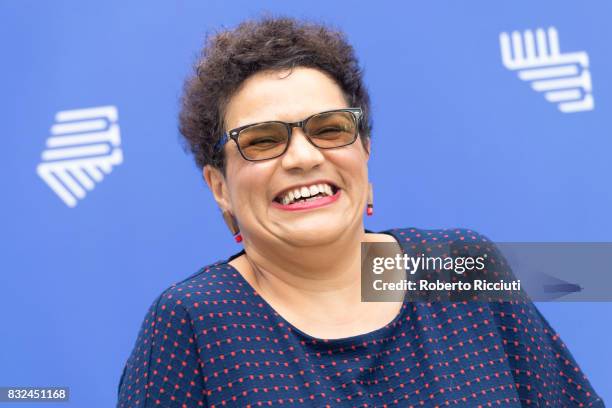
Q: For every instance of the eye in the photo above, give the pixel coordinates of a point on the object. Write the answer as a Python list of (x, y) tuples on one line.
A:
[(261, 141), (330, 131)]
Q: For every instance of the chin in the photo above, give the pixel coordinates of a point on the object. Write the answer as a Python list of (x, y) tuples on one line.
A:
[(309, 233)]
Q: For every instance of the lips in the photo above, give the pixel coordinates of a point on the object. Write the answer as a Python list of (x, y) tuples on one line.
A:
[(309, 203), (306, 192)]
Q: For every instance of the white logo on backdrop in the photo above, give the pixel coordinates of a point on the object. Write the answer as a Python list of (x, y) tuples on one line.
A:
[(564, 78), (84, 145)]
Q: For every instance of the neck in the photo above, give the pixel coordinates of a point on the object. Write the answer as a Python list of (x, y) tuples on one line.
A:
[(325, 275)]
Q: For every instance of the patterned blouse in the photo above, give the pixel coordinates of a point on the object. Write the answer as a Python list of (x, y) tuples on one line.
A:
[(212, 341)]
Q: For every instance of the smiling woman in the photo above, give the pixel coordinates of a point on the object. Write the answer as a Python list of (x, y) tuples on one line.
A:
[(250, 189), (277, 118)]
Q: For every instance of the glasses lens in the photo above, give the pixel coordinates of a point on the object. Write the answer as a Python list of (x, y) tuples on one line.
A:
[(263, 141), (332, 129)]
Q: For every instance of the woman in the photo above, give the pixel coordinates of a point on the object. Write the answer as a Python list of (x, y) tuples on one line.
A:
[(277, 117)]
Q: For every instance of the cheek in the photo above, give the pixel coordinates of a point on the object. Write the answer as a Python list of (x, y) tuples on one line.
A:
[(353, 162), (249, 186)]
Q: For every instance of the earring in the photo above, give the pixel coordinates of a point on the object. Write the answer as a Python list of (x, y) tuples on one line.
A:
[(232, 224), (370, 209)]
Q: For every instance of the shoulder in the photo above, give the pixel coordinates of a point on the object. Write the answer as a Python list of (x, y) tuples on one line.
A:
[(177, 317), (415, 235), (169, 340), (519, 329), (212, 285), (455, 243)]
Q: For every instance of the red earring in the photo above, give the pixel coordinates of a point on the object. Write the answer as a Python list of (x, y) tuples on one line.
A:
[(232, 224), (370, 208)]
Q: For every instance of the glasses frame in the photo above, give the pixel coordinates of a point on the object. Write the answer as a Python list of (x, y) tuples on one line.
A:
[(234, 134)]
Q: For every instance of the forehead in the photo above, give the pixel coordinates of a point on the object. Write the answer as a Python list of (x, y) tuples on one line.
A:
[(287, 95)]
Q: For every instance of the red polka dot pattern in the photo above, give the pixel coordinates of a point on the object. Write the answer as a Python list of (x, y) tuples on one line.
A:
[(212, 341)]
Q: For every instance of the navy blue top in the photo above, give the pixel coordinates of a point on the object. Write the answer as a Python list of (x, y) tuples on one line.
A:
[(212, 341)]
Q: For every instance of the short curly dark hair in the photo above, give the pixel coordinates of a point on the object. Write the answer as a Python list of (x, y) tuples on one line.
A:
[(270, 43)]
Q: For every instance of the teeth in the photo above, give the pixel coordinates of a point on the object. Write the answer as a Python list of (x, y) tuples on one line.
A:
[(307, 193)]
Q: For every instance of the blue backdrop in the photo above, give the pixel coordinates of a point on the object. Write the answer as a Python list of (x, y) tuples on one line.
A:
[(76, 281)]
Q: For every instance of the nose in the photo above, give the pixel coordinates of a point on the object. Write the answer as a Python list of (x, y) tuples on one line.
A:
[(301, 154)]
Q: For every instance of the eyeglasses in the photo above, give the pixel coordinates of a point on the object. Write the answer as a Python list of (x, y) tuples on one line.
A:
[(268, 140)]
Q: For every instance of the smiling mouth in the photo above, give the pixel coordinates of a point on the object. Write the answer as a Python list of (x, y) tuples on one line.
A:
[(306, 193)]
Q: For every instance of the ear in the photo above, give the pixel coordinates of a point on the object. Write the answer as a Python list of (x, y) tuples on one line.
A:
[(367, 145), (218, 186)]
